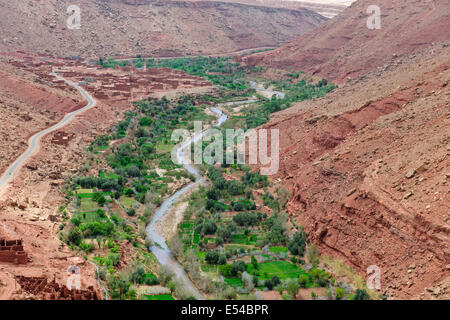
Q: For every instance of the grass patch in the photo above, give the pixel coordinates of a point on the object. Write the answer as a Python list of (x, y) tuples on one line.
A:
[(233, 282), (158, 297), (88, 205), (282, 269), (209, 267), (278, 249), (127, 201), (163, 148)]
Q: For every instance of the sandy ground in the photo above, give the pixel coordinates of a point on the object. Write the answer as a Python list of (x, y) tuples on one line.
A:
[(303, 294)]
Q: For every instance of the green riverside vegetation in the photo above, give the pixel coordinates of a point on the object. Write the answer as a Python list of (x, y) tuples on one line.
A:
[(233, 238)]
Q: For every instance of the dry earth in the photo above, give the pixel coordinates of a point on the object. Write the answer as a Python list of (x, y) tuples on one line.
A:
[(158, 28), (368, 169), (344, 47), (29, 204)]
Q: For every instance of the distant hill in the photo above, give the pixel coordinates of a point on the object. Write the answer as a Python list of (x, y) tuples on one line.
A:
[(131, 27), (344, 46), (327, 8)]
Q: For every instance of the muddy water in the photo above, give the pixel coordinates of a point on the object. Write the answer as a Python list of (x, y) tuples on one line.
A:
[(159, 247)]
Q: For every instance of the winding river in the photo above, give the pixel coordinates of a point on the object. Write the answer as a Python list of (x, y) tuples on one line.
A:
[(159, 247)]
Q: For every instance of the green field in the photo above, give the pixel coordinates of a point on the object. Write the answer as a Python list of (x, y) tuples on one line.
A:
[(282, 269), (159, 297), (127, 201), (243, 239), (234, 282), (87, 217), (238, 246), (278, 249), (85, 195), (163, 148), (209, 267), (88, 205), (201, 255)]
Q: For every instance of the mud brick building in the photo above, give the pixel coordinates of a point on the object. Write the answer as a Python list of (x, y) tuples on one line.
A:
[(12, 251)]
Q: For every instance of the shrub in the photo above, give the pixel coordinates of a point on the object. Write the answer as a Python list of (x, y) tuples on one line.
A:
[(292, 288), (226, 270), (319, 276), (237, 266), (133, 171), (297, 244), (208, 227), (340, 293), (138, 275), (86, 247), (74, 236), (303, 280), (255, 263), (131, 212), (212, 257), (361, 294)]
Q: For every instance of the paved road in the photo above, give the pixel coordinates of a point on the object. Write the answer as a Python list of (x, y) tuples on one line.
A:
[(34, 141), (161, 250)]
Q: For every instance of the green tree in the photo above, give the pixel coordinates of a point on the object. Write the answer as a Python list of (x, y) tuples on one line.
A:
[(340, 293), (361, 294), (255, 263), (292, 288), (298, 242), (74, 236), (303, 280)]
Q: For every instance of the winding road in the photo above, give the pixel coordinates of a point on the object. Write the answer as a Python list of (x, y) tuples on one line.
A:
[(159, 247), (34, 141)]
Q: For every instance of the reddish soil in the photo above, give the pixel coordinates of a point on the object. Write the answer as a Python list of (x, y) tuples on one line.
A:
[(344, 47), (27, 105), (329, 10), (157, 28), (29, 204), (368, 170)]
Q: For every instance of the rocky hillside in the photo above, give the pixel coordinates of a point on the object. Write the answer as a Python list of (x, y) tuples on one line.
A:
[(344, 47), (327, 8), (131, 27), (27, 105), (368, 165), (368, 168)]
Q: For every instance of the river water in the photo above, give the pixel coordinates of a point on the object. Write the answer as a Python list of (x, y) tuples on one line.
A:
[(159, 247)]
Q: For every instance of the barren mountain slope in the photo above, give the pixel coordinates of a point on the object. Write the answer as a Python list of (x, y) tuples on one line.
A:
[(344, 46), (368, 168), (326, 8), (128, 28), (27, 106)]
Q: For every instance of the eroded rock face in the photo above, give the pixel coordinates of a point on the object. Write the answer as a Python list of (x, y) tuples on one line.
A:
[(158, 28), (344, 47), (368, 174)]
